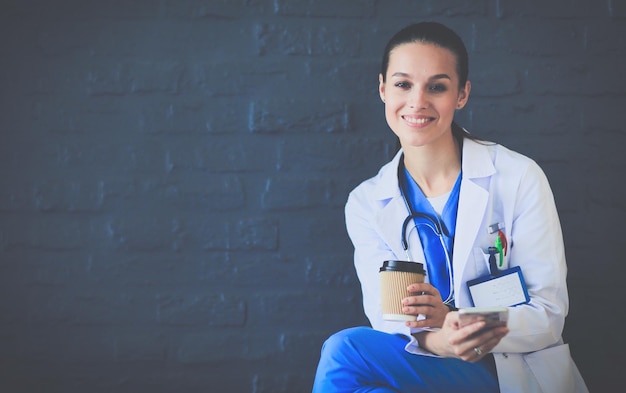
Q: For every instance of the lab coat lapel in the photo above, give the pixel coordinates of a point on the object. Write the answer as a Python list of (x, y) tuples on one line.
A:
[(390, 220), (391, 217), (473, 201)]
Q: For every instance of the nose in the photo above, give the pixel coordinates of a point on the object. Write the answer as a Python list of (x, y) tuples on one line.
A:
[(418, 99)]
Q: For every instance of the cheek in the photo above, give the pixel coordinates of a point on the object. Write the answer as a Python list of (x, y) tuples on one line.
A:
[(393, 105), (448, 108), (391, 112)]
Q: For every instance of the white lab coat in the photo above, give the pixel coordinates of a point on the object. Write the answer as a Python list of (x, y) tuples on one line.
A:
[(498, 186)]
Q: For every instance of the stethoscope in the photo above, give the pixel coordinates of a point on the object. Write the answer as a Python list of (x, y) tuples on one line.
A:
[(434, 224)]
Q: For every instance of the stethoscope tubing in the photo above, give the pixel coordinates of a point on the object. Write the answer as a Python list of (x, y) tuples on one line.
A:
[(432, 226), (435, 225)]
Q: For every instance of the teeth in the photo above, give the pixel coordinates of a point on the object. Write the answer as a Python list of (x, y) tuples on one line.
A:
[(421, 120)]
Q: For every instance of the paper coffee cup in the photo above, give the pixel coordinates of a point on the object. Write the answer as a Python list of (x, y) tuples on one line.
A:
[(395, 277)]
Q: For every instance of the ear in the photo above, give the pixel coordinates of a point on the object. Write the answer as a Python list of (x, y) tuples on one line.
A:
[(464, 95), (381, 87)]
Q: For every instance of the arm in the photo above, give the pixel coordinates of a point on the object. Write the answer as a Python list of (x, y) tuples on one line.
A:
[(537, 247), (371, 250)]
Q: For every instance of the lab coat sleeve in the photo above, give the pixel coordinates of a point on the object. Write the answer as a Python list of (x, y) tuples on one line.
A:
[(537, 247), (369, 253)]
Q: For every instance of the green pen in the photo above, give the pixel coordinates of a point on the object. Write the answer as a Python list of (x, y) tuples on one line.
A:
[(500, 248)]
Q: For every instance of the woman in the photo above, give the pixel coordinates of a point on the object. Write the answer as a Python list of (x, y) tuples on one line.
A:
[(482, 195)]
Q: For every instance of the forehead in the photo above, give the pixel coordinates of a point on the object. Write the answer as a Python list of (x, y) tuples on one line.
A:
[(422, 58)]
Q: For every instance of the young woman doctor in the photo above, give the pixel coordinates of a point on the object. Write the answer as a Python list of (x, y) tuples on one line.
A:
[(475, 191)]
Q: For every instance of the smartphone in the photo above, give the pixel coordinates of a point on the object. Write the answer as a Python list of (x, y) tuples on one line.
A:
[(494, 316)]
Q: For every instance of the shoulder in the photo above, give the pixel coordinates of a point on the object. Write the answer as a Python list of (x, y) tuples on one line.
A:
[(383, 185), (510, 170), (374, 193), (502, 158)]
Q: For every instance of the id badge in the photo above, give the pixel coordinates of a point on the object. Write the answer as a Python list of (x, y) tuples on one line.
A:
[(506, 289)]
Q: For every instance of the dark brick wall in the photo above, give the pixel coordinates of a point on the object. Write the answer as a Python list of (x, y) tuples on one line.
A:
[(173, 175)]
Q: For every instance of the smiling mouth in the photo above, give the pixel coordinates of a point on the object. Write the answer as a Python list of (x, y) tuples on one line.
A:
[(418, 120)]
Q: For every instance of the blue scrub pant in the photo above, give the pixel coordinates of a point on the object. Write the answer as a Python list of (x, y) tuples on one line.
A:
[(362, 359)]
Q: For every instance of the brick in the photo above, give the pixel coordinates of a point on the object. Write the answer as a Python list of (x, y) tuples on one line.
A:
[(255, 234), (545, 38), (249, 234), (226, 346), (307, 341), (282, 382), (151, 76), (279, 309), (140, 232), (491, 78), (542, 149), (575, 77), (224, 81), (517, 119), (195, 309), (329, 230), (106, 9), (137, 158), (64, 40), (54, 346), (606, 40), (602, 116), (617, 9), (424, 9), (350, 79), (88, 308), (325, 8), (176, 38), (303, 40), (209, 233), (252, 270), (273, 40), (44, 233), (216, 155), (341, 40), (293, 192), (266, 117), (15, 196), (331, 271), (71, 196), (133, 77), (563, 179), (41, 269), (338, 154), (612, 208), (212, 116), (148, 270), (98, 118), (559, 9), (216, 9), (185, 192), (213, 192), (109, 79), (133, 345)]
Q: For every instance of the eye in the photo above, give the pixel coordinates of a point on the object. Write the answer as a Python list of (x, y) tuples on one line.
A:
[(402, 85), (437, 88)]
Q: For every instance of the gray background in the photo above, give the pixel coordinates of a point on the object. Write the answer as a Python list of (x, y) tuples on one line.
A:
[(173, 175)]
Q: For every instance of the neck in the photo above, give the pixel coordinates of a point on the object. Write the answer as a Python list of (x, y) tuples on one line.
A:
[(434, 169)]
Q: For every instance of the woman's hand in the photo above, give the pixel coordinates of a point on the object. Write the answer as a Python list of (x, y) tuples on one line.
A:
[(470, 343), (428, 303)]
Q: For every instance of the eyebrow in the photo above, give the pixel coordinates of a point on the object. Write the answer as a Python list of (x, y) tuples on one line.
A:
[(434, 77)]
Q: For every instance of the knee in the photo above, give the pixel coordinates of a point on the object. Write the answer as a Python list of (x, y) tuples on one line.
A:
[(346, 339)]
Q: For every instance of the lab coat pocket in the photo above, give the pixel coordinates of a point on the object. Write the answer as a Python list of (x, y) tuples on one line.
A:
[(555, 370), (481, 263)]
